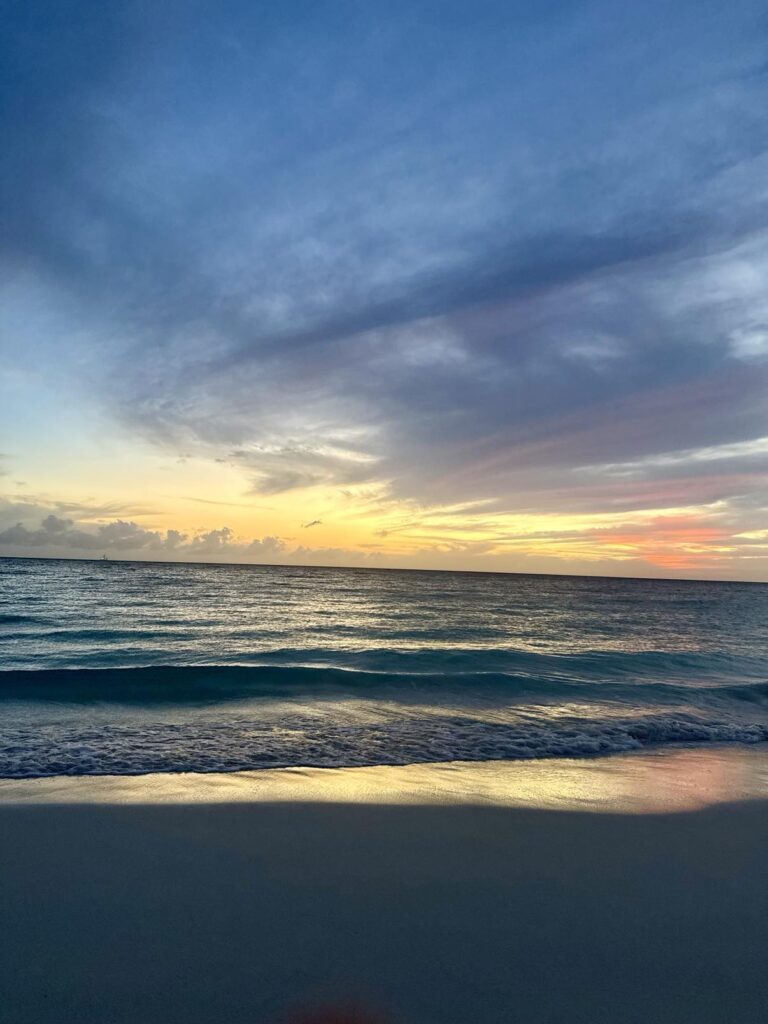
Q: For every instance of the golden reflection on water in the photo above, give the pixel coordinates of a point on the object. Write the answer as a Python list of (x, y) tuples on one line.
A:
[(672, 780)]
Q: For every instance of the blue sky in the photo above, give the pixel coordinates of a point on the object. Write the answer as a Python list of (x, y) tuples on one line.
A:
[(474, 284)]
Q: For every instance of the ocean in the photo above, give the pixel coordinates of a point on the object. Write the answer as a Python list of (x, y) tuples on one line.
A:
[(120, 667)]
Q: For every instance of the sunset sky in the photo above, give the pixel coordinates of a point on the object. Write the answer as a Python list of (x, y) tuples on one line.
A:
[(422, 284)]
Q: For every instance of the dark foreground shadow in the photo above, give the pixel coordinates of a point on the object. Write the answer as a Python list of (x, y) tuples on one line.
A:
[(255, 914)]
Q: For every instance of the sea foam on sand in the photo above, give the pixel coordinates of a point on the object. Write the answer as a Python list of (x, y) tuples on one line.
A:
[(429, 895)]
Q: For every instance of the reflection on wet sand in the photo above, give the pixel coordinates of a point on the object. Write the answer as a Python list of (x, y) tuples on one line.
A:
[(670, 780)]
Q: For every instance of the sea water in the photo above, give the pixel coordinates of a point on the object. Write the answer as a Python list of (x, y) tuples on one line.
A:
[(129, 667)]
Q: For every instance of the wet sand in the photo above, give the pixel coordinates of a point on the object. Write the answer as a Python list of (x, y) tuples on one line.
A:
[(451, 910)]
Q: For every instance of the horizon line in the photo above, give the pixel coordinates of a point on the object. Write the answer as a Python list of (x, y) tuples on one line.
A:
[(384, 568)]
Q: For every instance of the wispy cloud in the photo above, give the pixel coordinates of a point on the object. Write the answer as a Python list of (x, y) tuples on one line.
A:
[(709, 542), (450, 254)]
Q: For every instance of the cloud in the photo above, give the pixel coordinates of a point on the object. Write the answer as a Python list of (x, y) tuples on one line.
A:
[(716, 542), (119, 535), (54, 525), (125, 537), (497, 254), (277, 468)]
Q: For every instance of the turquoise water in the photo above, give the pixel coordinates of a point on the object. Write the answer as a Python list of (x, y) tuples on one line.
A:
[(121, 667)]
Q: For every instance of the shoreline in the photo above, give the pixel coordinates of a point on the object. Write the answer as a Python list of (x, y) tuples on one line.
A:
[(646, 781)]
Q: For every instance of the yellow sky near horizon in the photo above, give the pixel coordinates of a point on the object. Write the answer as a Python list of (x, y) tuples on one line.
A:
[(95, 477), (368, 525)]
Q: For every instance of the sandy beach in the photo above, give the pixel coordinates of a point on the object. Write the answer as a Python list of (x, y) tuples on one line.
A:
[(198, 910)]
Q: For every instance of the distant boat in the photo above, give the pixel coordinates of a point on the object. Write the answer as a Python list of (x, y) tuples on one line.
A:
[(104, 559)]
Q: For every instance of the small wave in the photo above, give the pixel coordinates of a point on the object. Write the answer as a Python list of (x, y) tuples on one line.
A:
[(242, 744), (192, 684), (110, 636), (16, 619), (241, 649)]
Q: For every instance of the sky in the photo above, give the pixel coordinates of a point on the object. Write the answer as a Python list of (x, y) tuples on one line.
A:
[(421, 284)]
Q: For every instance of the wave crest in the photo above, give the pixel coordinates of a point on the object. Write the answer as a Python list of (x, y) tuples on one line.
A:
[(242, 744)]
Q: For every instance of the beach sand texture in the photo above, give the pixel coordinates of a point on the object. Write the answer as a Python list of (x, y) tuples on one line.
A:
[(246, 913)]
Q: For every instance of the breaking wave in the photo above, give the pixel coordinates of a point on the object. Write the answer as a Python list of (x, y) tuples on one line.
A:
[(127, 668), (234, 718), (242, 744)]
